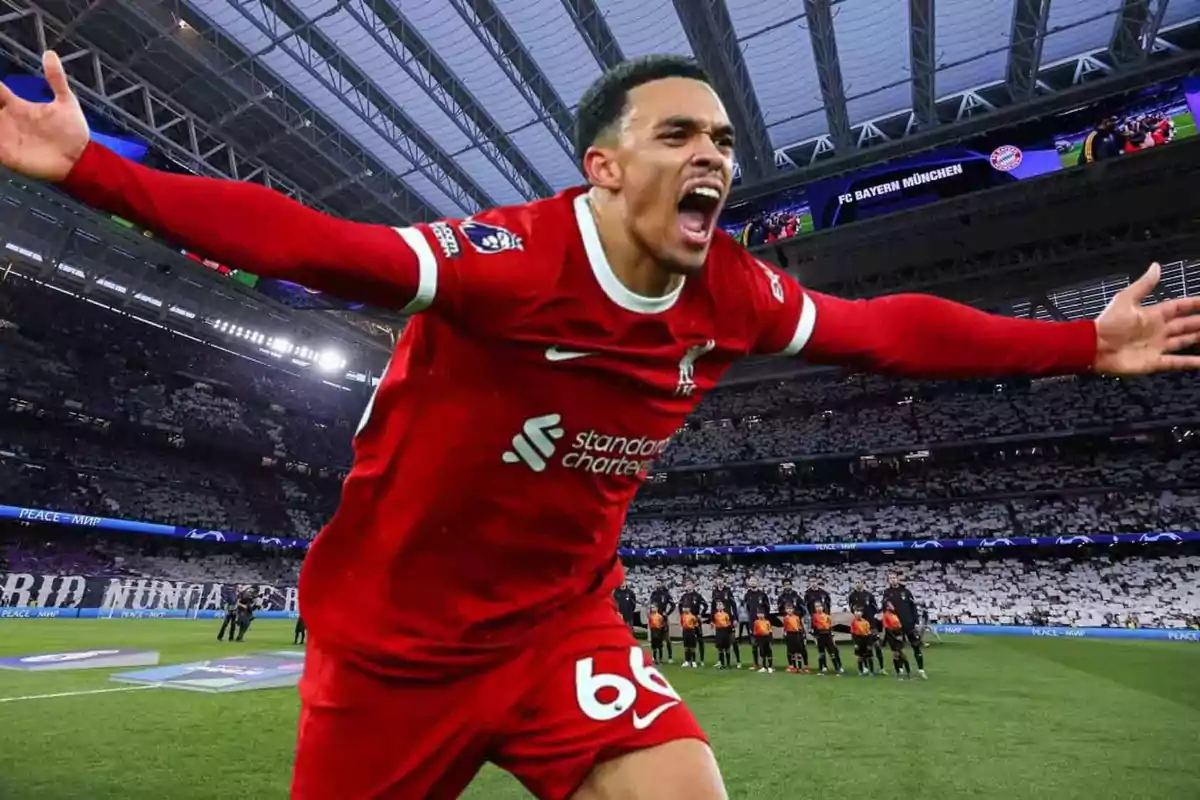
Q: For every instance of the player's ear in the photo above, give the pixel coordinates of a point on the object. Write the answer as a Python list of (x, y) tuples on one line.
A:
[(601, 168)]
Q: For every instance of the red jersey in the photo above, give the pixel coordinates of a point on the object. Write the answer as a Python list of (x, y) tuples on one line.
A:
[(658, 621), (822, 622), (891, 621), (860, 627), (494, 464), (792, 623), (722, 620), (689, 622), (762, 627)]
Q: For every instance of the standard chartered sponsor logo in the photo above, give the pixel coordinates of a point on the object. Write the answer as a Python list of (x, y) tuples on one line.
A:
[(535, 443), (593, 451)]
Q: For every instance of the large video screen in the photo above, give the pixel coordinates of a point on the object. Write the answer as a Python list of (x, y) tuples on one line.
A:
[(1116, 128)]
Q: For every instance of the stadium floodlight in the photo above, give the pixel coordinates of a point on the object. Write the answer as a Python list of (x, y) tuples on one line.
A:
[(330, 361)]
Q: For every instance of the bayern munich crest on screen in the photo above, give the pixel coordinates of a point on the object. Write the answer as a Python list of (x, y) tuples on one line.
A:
[(1006, 158)]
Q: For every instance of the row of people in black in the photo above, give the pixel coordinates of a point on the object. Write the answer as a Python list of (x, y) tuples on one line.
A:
[(756, 620)]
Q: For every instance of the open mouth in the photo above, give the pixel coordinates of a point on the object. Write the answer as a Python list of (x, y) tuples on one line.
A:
[(698, 214)]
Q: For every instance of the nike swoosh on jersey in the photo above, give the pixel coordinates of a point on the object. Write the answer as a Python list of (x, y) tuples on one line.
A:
[(641, 723), (554, 354)]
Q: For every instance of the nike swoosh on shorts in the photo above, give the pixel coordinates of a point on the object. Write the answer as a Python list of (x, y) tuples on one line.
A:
[(554, 354), (641, 723)]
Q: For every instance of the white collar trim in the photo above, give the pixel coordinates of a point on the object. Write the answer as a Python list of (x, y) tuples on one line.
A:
[(618, 292)]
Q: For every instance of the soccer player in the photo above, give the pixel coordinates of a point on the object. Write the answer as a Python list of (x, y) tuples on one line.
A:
[(691, 632), (559, 347), (902, 602), (699, 606), (861, 597), (815, 595), (793, 635), (626, 603), (863, 635), (822, 626), (661, 597), (753, 601), (300, 634), (230, 598), (788, 596), (659, 633), (893, 635), (723, 594), (723, 628), (764, 653)]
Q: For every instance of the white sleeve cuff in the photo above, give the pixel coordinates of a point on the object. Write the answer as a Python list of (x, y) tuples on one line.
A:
[(804, 328), (427, 270)]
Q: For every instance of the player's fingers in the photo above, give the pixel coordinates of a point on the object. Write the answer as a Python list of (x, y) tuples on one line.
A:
[(1143, 285), (56, 75), (1180, 310), (1177, 343), (6, 96), (1189, 323), (1178, 363)]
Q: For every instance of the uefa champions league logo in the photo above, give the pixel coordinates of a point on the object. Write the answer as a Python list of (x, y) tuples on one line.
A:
[(211, 536), (1151, 538), (996, 543), (1069, 540), (928, 543)]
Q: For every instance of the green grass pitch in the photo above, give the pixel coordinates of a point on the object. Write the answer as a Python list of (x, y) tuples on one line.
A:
[(999, 718)]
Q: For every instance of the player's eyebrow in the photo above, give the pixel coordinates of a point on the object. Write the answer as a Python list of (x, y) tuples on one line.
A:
[(692, 124)]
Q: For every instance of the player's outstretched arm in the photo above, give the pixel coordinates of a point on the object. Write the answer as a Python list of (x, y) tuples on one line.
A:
[(241, 225), (928, 337)]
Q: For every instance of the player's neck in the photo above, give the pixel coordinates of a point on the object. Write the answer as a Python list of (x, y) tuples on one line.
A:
[(631, 263)]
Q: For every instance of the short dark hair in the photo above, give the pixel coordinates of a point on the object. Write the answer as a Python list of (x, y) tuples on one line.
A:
[(605, 100)]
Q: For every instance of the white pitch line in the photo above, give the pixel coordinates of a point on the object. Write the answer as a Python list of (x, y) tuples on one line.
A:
[(75, 694)]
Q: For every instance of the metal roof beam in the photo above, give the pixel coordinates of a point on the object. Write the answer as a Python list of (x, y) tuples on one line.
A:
[(330, 67), (714, 41), (134, 105), (922, 60), (218, 57), (400, 40), (502, 43), (590, 23), (1156, 18), (1025, 47), (1044, 301), (819, 14), (1125, 47)]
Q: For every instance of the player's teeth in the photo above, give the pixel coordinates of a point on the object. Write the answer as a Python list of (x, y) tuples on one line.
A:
[(707, 191)]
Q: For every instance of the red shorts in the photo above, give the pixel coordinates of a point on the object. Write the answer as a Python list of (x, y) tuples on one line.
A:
[(548, 715)]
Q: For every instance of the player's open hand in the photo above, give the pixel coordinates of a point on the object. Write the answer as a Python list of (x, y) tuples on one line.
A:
[(1132, 339), (43, 140)]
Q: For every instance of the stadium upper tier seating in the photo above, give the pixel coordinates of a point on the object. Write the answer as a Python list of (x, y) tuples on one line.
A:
[(107, 415)]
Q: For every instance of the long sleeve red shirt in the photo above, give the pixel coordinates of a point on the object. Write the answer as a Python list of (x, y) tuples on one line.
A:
[(255, 229)]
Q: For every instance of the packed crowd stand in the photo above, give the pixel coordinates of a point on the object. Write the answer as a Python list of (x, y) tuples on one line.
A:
[(108, 416), (1150, 586)]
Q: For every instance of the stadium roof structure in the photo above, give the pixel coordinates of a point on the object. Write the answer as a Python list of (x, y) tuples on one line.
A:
[(398, 111), (408, 110)]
